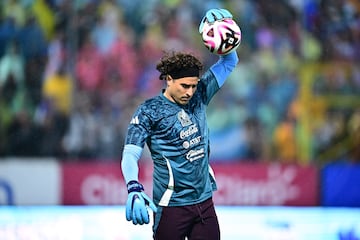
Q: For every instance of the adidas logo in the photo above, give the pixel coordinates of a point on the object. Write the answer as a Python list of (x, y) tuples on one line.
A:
[(135, 120)]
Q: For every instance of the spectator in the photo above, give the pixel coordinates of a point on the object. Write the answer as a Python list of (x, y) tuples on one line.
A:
[(58, 89), (89, 67), (354, 133), (12, 64), (56, 53), (8, 32), (12, 77), (109, 134), (23, 136), (54, 111), (15, 10), (285, 141), (32, 40), (80, 139), (121, 68)]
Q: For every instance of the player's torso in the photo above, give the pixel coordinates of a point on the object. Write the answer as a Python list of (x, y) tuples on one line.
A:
[(179, 149), (178, 132), (178, 139)]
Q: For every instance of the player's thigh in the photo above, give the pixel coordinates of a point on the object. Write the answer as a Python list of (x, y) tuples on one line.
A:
[(209, 230), (172, 223), (208, 227)]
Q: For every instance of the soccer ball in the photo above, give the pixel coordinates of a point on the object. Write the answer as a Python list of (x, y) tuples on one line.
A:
[(221, 37)]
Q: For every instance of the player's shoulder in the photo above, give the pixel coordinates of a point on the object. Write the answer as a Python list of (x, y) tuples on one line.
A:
[(152, 103), (158, 107), (207, 77)]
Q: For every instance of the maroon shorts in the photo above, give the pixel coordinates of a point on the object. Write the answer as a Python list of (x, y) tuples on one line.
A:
[(198, 221)]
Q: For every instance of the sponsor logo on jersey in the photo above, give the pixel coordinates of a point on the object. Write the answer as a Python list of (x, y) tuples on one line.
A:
[(192, 142), (184, 118), (134, 120), (188, 132), (193, 155)]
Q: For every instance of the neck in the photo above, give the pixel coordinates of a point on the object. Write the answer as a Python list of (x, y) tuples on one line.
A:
[(168, 96)]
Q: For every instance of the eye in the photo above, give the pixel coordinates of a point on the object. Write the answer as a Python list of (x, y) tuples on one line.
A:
[(187, 86)]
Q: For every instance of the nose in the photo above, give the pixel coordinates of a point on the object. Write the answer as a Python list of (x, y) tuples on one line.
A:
[(190, 92)]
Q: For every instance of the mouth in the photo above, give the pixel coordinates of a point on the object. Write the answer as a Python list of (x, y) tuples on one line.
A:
[(183, 100), (186, 97)]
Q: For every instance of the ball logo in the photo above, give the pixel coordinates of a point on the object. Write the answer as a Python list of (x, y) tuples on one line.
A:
[(221, 37)]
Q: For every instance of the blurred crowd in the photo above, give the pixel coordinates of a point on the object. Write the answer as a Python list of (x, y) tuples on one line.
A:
[(72, 73)]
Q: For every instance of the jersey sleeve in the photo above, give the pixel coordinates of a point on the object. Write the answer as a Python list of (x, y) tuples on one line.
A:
[(137, 133), (129, 162), (222, 68), (139, 128)]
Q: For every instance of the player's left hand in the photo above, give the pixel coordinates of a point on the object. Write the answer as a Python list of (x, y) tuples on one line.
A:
[(136, 204), (213, 15)]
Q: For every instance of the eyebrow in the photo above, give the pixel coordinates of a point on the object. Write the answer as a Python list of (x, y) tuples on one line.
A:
[(188, 85)]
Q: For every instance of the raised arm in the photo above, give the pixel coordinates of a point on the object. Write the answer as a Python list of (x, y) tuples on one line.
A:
[(222, 68)]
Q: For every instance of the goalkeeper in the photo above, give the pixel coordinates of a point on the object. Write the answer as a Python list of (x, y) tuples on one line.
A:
[(174, 127)]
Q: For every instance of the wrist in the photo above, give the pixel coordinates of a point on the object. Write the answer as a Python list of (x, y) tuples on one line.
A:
[(134, 186)]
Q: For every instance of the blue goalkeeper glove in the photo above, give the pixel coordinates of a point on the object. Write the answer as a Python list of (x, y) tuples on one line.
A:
[(213, 15), (136, 204)]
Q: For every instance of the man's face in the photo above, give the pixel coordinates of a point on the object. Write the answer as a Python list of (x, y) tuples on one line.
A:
[(181, 90)]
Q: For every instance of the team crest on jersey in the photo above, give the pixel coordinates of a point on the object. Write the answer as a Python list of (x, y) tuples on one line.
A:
[(184, 118)]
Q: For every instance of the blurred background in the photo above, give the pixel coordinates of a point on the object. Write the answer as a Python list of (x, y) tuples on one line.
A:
[(285, 128)]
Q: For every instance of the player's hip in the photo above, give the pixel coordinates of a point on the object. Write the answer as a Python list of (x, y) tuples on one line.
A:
[(178, 222)]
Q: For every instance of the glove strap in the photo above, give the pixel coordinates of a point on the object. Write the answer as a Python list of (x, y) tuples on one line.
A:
[(134, 186)]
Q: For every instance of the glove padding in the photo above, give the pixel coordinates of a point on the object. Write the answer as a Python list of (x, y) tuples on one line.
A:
[(213, 15), (136, 204)]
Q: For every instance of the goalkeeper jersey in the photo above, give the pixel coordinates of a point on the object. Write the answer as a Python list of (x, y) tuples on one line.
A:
[(178, 139)]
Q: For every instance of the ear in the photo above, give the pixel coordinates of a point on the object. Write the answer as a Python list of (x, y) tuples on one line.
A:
[(168, 78)]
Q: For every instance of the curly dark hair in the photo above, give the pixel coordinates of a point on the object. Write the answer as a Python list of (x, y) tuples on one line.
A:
[(175, 62)]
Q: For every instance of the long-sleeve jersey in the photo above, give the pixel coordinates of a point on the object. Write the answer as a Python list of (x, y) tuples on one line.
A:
[(178, 139)]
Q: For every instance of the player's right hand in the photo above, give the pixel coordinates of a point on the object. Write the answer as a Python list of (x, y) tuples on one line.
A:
[(213, 15), (136, 204)]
